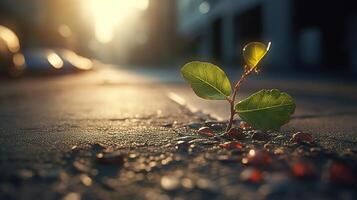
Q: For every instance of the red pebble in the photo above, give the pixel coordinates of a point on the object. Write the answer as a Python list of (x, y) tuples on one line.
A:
[(252, 176), (304, 169), (300, 137), (231, 145), (244, 125), (257, 157), (341, 173), (206, 131)]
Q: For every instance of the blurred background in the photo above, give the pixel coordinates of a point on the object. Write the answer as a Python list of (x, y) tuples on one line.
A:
[(61, 36)]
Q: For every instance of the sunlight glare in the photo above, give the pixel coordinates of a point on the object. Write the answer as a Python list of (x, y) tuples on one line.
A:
[(110, 13)]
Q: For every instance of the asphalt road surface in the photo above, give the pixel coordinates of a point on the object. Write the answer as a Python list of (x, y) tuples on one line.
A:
[(42, 119)]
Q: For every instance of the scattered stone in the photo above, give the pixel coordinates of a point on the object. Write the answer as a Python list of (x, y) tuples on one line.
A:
[(72, 196), (244, 125), (193, 148), (210, 122), (81, 167), (257, 157), (304, 169), (187, 183), (167, 125), (132, 155), (206, 131), (269, 146), (341, 173), (315, 150), (113, 158), (279, 151), (301, 137), (349, 152), (182, 145), (231, 145), (227, 159), (170, 183), (205, 184), (235, 134), (194, 125), (86, 180), (26, 174), (217, 127), (251, 175), (260, 136)]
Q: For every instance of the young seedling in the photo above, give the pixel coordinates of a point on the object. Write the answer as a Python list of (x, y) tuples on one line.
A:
[(265, 109)]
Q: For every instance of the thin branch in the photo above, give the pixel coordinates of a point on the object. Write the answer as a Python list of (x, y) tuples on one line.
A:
[(231, 100)]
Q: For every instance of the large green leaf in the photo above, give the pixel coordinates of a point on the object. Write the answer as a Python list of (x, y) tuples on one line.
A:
[(207, 80), (266, 109)]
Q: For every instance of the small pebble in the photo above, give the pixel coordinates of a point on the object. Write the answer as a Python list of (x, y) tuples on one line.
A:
[(217, 127), (231, 145), (86, 180), (279, 151), (133, 155), (257, 157), (210, 122), (244, 125), (227, 159), (170, 183), (194, 125), (300, 137), (80, 166), (304, 169), (187, 183), (260, 136), (182, 145), (72, 196), (26, 174), (269, 146), (167, 125), (206, 131), (341, 173), (114, 158), (205, 184), (252, 175)]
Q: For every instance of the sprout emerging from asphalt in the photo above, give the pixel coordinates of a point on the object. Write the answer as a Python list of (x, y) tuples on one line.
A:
[(265, 109)]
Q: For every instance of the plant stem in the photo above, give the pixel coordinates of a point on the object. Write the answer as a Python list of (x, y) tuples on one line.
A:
[(232, 99)]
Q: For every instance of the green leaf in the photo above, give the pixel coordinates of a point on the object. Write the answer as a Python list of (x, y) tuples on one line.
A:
[(266, 109), (254, 52), (207, 80)]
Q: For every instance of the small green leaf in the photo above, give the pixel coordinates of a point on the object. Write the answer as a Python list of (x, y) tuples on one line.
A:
[(254, 52), (207, 80), (266, 109)]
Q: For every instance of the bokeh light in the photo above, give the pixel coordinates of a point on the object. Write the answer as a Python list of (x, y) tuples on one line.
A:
[(10, 39), (55, 60)]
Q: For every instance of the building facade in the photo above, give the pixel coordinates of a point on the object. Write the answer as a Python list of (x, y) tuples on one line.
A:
[(304, 34)]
